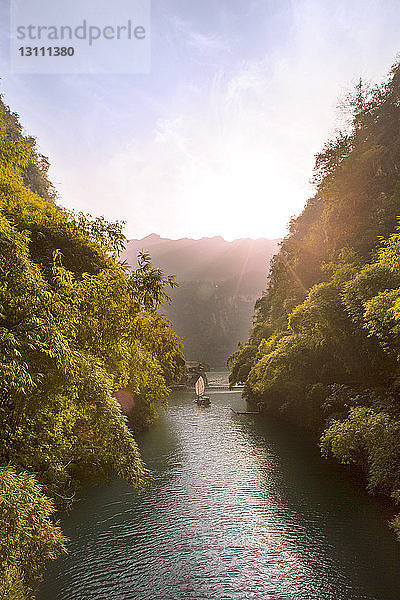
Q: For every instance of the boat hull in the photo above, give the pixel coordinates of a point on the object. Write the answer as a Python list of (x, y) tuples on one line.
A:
[(203, 401)]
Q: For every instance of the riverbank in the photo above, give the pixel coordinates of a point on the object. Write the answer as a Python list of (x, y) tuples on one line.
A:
[(239, 507)]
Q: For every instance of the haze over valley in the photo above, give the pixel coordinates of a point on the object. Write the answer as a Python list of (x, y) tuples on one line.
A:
[(219, 283)]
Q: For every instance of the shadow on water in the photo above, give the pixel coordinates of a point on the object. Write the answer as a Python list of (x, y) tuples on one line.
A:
[(239, 508)]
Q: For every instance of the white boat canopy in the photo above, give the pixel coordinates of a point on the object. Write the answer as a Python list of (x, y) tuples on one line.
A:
[(199, 386)]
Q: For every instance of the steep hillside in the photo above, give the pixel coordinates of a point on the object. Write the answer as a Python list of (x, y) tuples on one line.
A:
[(74, 328), (219, 282), (325, 348)]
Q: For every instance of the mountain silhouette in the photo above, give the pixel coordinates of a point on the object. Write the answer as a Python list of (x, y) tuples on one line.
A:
[(219, 282)]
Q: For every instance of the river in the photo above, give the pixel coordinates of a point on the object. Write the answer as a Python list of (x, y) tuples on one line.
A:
[(239, 508)]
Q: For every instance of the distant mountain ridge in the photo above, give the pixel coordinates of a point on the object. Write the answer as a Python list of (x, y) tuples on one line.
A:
[(219, 284), (208, 258)]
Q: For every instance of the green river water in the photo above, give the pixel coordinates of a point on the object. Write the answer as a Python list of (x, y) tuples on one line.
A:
[(239, 508)]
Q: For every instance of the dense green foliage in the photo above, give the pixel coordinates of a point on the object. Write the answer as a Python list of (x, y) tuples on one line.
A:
[(325, 347), (75, 326), (28, 536)]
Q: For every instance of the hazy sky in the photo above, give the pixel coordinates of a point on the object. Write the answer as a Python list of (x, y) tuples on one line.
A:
[(219, 138)]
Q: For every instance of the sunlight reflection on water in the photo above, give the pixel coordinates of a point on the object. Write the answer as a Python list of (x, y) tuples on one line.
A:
[(239, 509)]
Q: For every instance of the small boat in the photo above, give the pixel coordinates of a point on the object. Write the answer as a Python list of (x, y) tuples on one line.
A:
[(199, 389)]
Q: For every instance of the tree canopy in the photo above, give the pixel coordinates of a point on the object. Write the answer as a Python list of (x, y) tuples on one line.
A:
[(75, 326), (324, 349)]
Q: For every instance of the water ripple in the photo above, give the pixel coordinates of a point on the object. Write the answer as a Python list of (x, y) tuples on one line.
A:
[(237, 510)]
